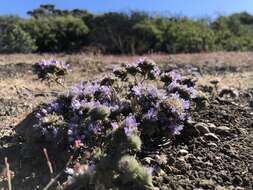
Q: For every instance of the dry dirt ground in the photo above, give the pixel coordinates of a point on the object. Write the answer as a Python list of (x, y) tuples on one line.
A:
[(216, 152)]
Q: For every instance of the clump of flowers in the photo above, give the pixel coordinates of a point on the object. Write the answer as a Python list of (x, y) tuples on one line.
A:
[(112, 117), (51, 69)]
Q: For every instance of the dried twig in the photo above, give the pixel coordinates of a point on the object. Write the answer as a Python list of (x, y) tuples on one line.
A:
[(48, 162), (8, 173), (53, 180)]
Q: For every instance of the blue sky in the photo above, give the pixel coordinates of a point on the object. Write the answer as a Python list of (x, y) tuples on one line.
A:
[(192, 8)]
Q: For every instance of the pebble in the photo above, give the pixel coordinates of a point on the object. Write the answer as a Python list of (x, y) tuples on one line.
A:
[(211, 127), (202, 128), (237, 180), (147, 160), (212, 145), (212, 137), (223, 130), (182, 152), (206, 184)]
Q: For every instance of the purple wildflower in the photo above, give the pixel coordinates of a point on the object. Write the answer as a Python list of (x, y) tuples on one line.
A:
[(55, 106), (94, 127), (114, 125), (75, 104), (130, 125), (152, 91), (128, 131), (172, 85), (130, 121), (175, 129), (105, 90), (136, 90), (185, 104), (175, 76), (151, 114), (76, 89), (183, 116)]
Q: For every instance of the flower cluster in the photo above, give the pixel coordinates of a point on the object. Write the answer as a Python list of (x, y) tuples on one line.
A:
[(114, 114), (49, 68)]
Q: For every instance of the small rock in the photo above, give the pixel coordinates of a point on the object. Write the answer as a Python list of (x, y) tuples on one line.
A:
[(182, 152), (212, 137), (223, 130), (211, 127), (237, 180), (202, 128), (212, 145), (160, 171), (206, 184), (220, 188), (147, 160), (163, 159)]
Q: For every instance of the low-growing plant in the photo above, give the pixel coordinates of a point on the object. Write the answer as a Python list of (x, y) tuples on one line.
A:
[(51, 69), (113, 117)]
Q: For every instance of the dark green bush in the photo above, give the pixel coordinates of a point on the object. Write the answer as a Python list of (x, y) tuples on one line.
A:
[(13, 39), (57, 34), (189, 36)]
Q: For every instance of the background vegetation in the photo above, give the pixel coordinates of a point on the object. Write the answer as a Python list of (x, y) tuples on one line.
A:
[(53, 30)]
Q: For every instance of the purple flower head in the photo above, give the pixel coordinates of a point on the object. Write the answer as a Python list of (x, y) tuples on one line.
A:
[(192, 92), (75, 104), (55, 106), (53, 62), (183, 116), (136, 90), (130, 121), (129, 131), (175, 76), (90, 88), (105, 90), (94, 127), (151, 114), (172, 85), (175, 129), (76, 89), (185, 104), (91, 104), (130, 125), (152, 91), (114, 125)]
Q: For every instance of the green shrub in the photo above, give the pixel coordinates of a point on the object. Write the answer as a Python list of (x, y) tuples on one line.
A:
[(57, 34), (185, 35), (13, 39)]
